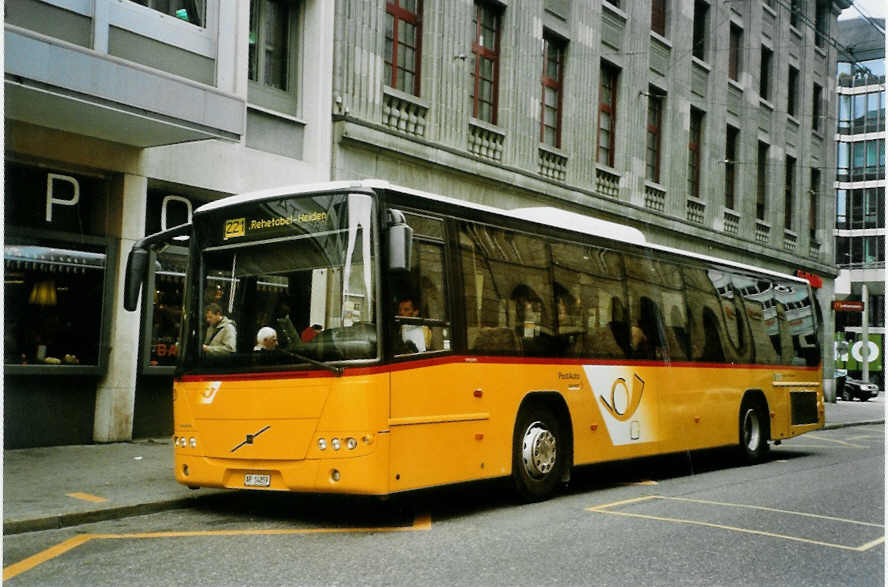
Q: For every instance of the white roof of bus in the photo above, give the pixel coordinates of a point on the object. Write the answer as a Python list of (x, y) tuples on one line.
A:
[(545, 215)]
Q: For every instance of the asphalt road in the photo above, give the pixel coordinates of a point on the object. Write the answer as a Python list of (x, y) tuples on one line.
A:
[(813, 514)]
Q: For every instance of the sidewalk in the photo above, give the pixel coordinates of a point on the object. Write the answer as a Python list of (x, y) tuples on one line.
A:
[(54, 487)]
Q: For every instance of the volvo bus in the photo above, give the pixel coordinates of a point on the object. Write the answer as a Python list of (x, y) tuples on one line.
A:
[(422, 340)]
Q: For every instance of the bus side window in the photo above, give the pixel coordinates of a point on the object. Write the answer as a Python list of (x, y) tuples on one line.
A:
[(420, 294)]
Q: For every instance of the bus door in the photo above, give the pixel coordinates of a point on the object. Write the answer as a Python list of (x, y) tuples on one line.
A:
[(434, 416)]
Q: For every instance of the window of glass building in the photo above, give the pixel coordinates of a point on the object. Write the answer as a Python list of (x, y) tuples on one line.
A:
[(552, 78), (403, 36), (485, 72), (193, 11)]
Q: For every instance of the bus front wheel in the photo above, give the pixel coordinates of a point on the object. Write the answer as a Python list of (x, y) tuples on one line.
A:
[(753, 432), (538, 453)]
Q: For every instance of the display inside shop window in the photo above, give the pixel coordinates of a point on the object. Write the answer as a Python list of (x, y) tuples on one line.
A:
[(53, 305), (169, 285)]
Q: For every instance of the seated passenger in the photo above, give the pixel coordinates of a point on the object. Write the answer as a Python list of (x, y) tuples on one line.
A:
[(266, 339), (417, 337), (221, 336)]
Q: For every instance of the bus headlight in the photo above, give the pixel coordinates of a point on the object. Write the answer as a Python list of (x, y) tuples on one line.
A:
[(335, 444), (351, 443), (322, 443), (193, 442)]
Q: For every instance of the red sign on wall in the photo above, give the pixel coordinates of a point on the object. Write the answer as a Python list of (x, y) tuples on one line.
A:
[(847, 306), (815, 280)]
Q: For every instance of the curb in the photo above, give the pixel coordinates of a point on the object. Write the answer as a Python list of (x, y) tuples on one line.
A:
[(850, 424), (55, 522)]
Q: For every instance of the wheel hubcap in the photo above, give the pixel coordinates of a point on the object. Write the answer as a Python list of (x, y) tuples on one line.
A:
[(539, 450), (751, 430)]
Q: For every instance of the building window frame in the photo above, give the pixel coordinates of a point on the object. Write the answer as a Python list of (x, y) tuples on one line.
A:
[(285, 99), (765, 70), (732, 142), (481, 53), (551, 94), (608, 88), (814, 204), (817, 108), (761, 195), (735, 53), (789, 192), (654, 134), (402, 15), (695, 146), (658, 17), (792, 98), (699, 39)]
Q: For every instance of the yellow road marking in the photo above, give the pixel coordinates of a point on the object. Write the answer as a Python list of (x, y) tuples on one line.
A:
[(842, 442), (598, 508), (421, 522), (87, 497), (767, 509), (604, 509), (41, 557), (744, 530)]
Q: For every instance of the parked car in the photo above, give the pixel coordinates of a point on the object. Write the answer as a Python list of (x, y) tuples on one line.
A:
[(859, 389)]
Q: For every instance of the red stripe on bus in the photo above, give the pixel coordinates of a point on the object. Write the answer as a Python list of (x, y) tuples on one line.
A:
[(484, 360)]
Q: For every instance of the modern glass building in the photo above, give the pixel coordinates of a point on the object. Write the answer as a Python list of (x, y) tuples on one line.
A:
[(860, 193)]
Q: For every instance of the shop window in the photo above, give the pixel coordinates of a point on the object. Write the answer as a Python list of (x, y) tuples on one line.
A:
[(193, 11), (54, 292), (167, 305)]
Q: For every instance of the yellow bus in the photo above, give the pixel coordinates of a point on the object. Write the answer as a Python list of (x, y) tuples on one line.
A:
[(381, 339)]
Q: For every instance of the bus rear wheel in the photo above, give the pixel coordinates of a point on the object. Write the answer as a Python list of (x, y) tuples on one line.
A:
[(538, 453), (753, 432)]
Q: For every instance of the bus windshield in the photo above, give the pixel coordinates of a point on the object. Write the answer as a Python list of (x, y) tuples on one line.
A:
[(288, 282)]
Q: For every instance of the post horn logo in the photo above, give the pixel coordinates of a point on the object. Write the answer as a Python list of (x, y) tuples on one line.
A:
[(623, 410)]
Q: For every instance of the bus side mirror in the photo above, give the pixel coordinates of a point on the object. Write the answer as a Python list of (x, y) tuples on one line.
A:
[(400, 242), (136, 266)]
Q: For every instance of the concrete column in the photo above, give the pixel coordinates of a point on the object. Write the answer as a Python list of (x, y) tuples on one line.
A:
[(116, 393)]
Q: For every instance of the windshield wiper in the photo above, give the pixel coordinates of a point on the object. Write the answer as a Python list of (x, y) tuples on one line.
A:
[(334, 368)]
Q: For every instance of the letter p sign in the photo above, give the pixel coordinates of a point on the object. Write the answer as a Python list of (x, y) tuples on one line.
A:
[(51, 180)]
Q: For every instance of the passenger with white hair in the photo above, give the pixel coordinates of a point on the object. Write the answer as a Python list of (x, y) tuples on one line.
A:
[(266, 339)]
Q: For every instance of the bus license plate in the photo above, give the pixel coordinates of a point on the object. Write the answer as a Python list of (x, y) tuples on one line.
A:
[(257, 480)]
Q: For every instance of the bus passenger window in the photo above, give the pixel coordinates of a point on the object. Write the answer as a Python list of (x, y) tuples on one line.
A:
[(421, 321)]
